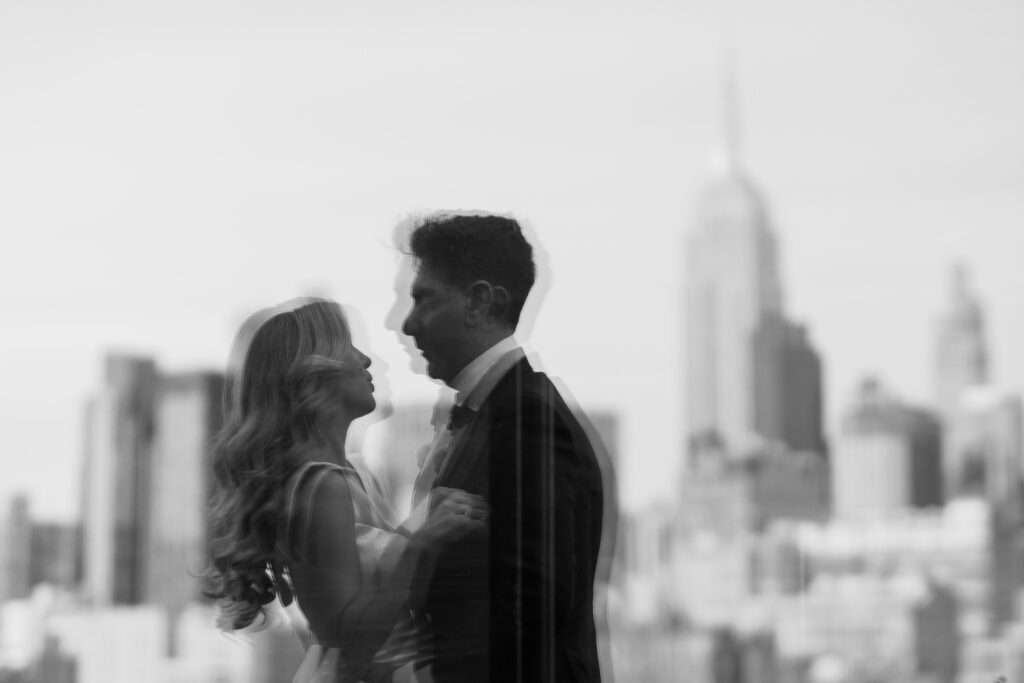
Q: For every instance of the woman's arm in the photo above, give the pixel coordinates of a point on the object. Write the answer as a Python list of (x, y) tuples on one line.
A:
[(345, 610)]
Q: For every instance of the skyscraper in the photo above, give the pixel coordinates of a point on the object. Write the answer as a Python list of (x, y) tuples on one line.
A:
[(787, 381), (746, 361), (923, 430), (987, 445), (119, 436), (960, 362), (961, 358), (983, 444), (188, 413)]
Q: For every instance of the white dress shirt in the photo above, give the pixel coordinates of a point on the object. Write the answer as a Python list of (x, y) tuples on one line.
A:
[(472, 386)]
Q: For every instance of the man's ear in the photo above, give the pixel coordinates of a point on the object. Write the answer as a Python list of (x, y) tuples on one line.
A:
[(500, 302), (479, 297), (485, 300)]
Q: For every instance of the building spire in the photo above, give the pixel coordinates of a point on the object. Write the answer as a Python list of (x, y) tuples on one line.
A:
[(961, 359), (725, 158)]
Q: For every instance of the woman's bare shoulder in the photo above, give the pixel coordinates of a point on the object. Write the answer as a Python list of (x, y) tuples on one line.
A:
[(320, 513)]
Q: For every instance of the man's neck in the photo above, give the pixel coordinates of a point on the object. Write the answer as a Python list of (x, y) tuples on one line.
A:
[(490, 339), (470, 375)]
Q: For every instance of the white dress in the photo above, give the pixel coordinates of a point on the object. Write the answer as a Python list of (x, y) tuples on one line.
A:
[(378, 554)]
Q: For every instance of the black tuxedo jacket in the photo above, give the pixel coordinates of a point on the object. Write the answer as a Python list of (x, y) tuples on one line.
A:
[(518, 603)]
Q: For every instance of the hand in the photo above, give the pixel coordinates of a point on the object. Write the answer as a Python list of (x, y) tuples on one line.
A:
[(453, 513), (461, 502)]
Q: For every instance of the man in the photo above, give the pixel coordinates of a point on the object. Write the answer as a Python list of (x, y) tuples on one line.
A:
[(516, 604)]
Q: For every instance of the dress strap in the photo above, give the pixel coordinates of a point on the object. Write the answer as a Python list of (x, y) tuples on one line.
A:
[(317, 470)]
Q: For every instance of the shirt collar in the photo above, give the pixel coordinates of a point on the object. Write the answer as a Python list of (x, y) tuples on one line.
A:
[(470, 376)]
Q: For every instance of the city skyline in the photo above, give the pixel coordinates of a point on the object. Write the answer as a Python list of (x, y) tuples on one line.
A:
[(175, 168), (187, 203)]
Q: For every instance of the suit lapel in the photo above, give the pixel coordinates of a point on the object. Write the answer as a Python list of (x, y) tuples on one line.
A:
[(466, 447), (467, 443)]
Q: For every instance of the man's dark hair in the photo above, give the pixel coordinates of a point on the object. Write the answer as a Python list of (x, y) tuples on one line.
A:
[(467, 248)]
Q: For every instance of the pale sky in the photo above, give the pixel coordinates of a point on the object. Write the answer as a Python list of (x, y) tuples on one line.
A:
[(168, 167)]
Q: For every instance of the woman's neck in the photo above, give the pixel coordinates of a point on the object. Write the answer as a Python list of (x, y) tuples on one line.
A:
[(333, 435)]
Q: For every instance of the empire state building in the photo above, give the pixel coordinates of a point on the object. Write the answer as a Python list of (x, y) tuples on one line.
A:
[(753, 377)]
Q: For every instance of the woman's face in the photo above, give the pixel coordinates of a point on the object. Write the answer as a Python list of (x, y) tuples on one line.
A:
[(355, 384)]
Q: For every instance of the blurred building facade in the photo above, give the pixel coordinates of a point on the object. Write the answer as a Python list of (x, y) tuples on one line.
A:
[(787, 385), (147, 483), (117, 643), (117, 483), (55, 556), (986, 444), (887, 457), (15, 550), (732, 497), (188, 414)]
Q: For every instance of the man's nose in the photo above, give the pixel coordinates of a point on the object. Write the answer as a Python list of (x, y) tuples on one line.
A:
[(408, 325)]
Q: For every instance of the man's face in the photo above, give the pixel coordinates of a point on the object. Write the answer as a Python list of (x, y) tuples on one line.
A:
[(437, 323)]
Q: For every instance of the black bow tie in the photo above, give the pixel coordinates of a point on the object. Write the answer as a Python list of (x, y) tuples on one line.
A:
[(460, 416)]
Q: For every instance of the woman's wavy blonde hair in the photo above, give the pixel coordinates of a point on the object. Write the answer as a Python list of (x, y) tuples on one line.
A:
[(278, 385)]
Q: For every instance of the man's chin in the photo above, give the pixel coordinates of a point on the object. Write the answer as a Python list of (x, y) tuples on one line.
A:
[(436, 373)]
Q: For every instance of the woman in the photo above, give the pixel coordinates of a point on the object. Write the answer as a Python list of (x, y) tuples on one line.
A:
[(292, 514)]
